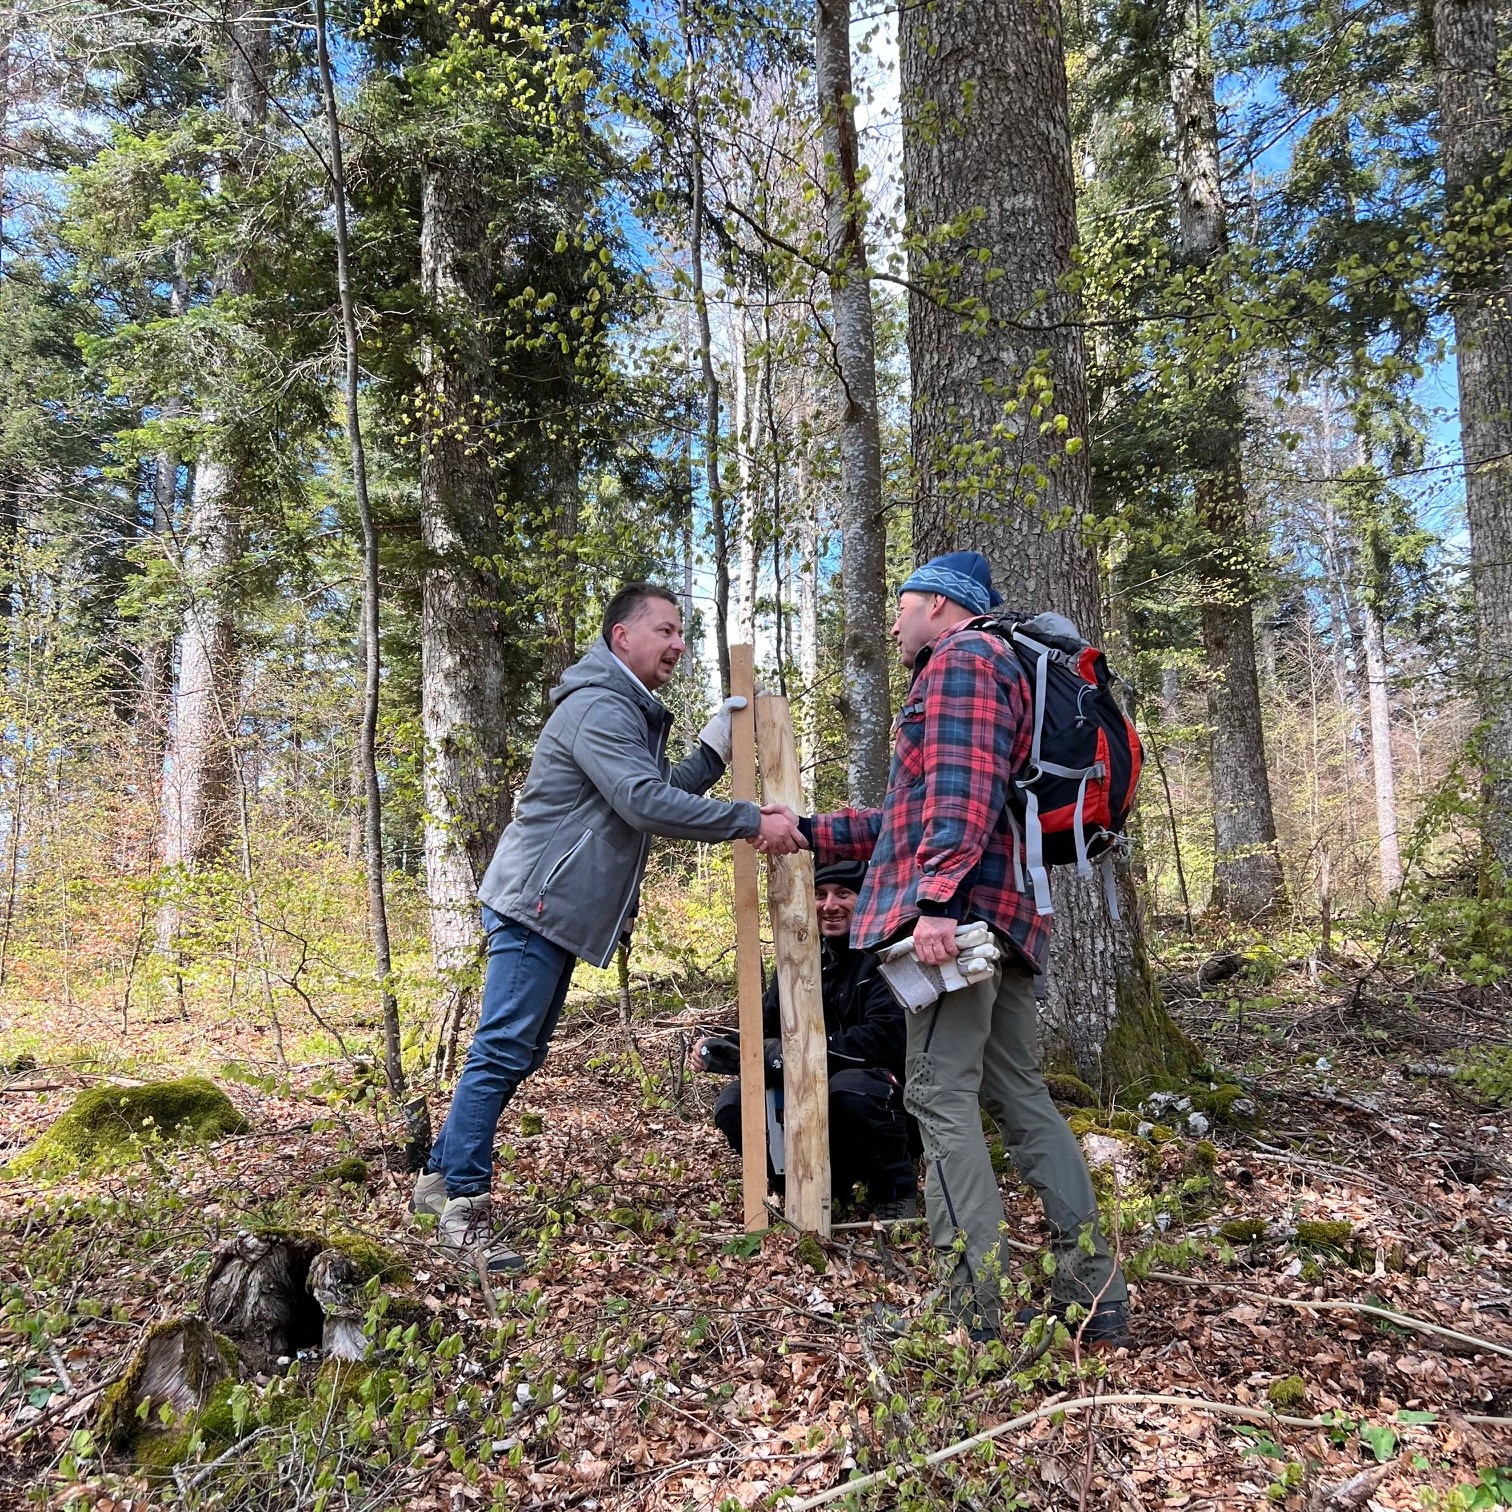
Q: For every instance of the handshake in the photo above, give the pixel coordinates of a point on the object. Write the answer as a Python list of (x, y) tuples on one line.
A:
[(779, 834)]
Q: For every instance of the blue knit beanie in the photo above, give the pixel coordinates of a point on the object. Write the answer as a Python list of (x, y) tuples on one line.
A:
[(964, 577)]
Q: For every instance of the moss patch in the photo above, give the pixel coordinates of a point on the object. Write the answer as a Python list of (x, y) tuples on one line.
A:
[(353, 1171), (110, 1123), (1318, 1233), (372, 1260), (811, 1252), (1243, 1230), (1286, 1393), (1144, 1045), (1068, 1090), (1225, 1103)]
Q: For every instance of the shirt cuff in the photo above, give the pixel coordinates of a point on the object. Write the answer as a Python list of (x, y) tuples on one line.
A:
[(942, 908), (806, 829)]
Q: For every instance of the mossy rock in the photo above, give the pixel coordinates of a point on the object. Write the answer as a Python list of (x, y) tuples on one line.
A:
[(1225, 1103), (1286, 1393), (1068, 1090), (109, 1123), (1243, 1230), (1317, 1233), (352, 1170), (532, 1123)]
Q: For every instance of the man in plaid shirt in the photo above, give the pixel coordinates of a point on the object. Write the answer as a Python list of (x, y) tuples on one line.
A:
[(942, 850)]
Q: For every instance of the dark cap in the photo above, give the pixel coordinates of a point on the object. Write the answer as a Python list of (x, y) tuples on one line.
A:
[(849, 874)]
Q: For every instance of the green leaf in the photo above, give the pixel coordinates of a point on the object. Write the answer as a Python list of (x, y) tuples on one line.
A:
[(1381, 1440)]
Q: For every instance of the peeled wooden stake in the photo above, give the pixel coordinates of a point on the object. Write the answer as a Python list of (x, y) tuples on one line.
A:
[(795, 931), (753, 1168)]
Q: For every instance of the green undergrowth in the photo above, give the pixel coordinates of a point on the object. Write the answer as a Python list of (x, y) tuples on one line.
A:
[(1488, 1074), (111, 1123)]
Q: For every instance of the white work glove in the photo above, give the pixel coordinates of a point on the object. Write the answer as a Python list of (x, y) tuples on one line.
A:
[(716, 734), (916, 986)]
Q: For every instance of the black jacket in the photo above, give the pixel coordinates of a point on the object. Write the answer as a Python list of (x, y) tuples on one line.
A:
[(863, 1021)]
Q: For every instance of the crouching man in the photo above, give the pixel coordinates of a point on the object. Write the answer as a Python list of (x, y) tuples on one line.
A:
[(871, 1136), (564, 883)]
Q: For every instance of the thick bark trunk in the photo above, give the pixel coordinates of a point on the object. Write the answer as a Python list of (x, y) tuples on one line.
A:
[(1247, 878), (462, 641), (1475, 130), (865, 698), (198, 793), (565, 592), (993, 471)]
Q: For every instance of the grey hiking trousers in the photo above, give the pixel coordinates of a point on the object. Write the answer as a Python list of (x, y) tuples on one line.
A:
[(977, 1050)]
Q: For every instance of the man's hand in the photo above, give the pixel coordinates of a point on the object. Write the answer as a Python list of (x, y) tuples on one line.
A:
[(695, 1054), (779, 834), (934, 940), (716, 734)]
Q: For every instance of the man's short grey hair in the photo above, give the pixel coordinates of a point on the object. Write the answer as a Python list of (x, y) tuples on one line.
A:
[(630, 603)]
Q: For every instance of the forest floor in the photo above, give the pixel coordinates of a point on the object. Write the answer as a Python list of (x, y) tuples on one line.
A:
[(655, 1357)]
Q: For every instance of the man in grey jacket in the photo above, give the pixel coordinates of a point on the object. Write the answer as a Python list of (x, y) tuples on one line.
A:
[(564, 883)]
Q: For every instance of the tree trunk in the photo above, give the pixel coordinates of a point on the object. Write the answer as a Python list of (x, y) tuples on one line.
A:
[(462, 640), (1475, 130), (198, 793), (712, 481), (865, 698), (1380, 747), (808, 626), (1247, 880), (155, 675), (565, 592), (367, 759), (744, 419), (991, 475)]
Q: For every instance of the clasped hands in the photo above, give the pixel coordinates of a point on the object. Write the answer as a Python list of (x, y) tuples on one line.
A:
[(779, 834)]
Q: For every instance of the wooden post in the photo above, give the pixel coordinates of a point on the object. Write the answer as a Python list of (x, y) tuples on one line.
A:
[(753, 1131), (795, 930)]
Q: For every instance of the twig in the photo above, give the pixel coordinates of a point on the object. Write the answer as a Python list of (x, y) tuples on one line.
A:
[(1080, 1404), (204, 1473), (1402, 1320)]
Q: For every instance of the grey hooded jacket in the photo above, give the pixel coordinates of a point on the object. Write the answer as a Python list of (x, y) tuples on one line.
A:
[(570, 862)]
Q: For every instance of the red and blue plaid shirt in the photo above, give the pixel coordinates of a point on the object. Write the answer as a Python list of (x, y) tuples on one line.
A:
[(942, 835)]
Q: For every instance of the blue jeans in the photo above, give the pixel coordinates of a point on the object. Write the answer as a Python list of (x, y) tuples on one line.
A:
[(523, 993)]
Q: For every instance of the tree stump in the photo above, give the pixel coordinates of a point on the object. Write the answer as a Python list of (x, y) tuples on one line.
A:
[(335, 1281), (178, 1365), (257, 1294)]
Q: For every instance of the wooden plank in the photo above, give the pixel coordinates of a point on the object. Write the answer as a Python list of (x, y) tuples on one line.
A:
[(753, 1133), (795, 930)]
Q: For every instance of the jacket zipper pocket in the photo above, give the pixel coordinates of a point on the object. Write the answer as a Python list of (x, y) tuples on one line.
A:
[(577, 845)]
